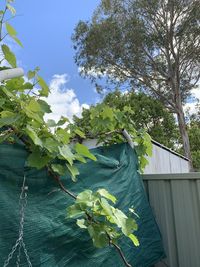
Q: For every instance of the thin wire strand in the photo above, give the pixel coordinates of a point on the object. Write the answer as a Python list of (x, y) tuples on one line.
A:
[(20, 241)]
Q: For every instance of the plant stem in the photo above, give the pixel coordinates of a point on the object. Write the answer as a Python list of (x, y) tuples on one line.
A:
[(121, 254), (1, 23), (57, 178)]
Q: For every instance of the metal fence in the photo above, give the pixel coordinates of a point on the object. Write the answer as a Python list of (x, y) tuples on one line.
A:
[(175, 200)]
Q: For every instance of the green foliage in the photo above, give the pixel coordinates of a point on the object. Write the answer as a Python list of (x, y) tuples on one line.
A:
[(106, 124), (142, 43), (150, 45), (104, 223), (145, 113), (22, 110), (9, 56), (194, 135)]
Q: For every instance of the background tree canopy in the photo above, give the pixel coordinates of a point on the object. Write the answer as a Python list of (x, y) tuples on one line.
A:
[(147, 113), (153, 45)]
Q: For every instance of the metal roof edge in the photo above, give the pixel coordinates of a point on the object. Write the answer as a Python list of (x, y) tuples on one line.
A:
[(169, 149)]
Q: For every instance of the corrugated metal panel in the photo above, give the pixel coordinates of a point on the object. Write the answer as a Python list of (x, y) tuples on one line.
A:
[(162, 160), (175, 200)]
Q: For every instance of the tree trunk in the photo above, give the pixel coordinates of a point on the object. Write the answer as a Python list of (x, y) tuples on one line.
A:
[(184, 134)]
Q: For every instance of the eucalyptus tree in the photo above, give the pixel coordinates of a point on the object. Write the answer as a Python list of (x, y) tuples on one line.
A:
[(150, 44)]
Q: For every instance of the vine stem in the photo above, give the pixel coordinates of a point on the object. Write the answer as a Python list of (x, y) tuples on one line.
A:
[(121, 254), (119, 251), (57, 178)]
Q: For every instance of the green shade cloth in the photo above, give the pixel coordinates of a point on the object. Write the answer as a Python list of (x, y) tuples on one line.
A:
[(50, 238)]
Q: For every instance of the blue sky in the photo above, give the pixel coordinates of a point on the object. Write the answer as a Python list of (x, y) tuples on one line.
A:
[(45, 28)]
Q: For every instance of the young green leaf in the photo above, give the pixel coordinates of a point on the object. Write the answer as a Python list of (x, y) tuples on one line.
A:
[(73, 171), (104, 193), (31, 74), (44, 107), (9, 56), (66, 153), (74, 211), (62, 135), (98, 235), (81, 223), (51, 123), (11, 31), (84, 151), (80, 133), (8, 118), (12, 9), (134, 240), (33, 106), (44, 87), (33, 135), (37, 160), (60, 169), (62, 121)]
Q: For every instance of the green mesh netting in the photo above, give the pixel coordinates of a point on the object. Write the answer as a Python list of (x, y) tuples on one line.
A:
[(50, 238)]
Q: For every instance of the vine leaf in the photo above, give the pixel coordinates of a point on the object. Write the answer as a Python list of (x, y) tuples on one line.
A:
[(45, 108), (11, 8), (134, 239), (60, 169), (66, 153), (33, 135), (44, 87), (8, 118), (81, 223), (98, 235), (9, 56), (80, 133), (37, 160), (104, 193), (74, 171), (12, 32), (84, 151)]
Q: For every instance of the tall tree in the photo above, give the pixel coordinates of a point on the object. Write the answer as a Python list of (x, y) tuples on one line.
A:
[(151, 44), (194, 136), (146, 113)]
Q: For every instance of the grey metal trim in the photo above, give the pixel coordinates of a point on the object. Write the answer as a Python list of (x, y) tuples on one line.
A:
[(11, 73), (172, 176), (128, 138)]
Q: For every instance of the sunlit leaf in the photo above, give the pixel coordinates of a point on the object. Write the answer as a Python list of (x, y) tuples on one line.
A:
[(9, 56), (66, 153), (44, 87), (134, 240), (11, 8), (73, 171), (104, 193), (84, 151), (81, 223), (33, 135), (37, 160)]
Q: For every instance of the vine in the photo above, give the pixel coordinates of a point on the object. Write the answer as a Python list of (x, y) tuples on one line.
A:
[(22, 110)]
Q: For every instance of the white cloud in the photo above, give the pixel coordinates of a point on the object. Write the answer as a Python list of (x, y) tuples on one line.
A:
[(63, 101), (190, 106)]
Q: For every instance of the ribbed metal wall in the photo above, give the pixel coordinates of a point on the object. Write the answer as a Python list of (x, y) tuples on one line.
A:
[(163, 159), (175, 200)]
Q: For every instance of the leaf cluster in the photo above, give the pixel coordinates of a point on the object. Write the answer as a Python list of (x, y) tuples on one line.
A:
[(94, 212), (23, 107)]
